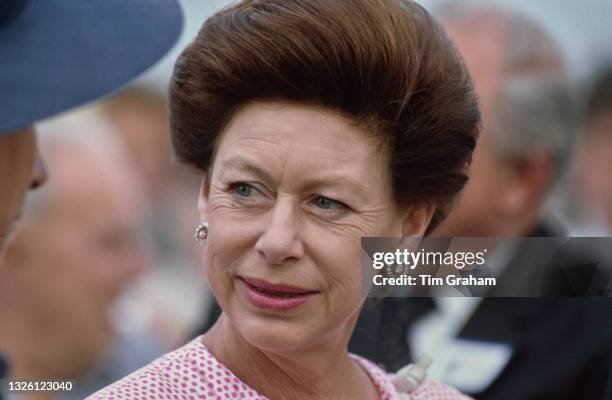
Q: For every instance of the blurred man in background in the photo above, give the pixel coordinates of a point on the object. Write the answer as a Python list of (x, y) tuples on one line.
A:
[(513, 348), (528, 126), (75, 253), (590, 184)]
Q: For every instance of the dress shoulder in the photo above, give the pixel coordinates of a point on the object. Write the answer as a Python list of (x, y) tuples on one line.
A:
[(190, 372), (429, 389), (434, 390)]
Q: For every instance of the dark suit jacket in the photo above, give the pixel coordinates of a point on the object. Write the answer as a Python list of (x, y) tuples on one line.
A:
[(562, 346)]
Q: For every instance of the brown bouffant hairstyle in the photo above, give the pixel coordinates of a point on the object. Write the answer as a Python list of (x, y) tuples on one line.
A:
[(386, 64)]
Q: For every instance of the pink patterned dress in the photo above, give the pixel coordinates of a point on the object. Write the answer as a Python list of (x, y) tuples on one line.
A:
[(193, 373)]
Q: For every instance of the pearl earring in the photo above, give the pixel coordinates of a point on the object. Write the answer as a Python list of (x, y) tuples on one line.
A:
[(201, 232)]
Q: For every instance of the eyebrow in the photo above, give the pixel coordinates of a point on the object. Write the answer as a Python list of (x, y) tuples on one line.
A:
[(246, 164), (356, 186)]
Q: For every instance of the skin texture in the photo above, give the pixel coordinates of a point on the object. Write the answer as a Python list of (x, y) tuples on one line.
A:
[(81, 237), (292, 190), (504, 196), (21, 169)]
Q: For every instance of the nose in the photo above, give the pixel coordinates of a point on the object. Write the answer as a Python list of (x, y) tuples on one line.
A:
[(280, 243), (39, 171)]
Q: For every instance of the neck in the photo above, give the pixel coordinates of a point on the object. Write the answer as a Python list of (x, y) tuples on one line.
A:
[(320, 371)]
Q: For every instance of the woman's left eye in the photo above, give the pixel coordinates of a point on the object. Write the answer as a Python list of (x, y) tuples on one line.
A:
[(243, 189), (328, 204)]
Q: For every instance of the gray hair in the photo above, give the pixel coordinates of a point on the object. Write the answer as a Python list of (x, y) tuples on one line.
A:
[(536, 106), (526, 44), (535, 113)]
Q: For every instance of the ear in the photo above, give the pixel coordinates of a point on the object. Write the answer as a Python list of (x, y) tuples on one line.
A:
[(416, 219), (203, 198)]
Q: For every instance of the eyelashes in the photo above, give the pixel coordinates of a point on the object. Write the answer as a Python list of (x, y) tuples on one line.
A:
[(242, 189), (329, 205), (250, 193)]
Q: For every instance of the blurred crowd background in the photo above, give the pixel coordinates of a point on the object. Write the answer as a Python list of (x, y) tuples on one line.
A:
[(114, 228)]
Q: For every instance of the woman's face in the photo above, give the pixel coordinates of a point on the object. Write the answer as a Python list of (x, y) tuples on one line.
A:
[(292, 191)]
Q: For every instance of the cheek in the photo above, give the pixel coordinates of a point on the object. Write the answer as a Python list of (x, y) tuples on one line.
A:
[(217, 267), (338, 261), (230, 242)]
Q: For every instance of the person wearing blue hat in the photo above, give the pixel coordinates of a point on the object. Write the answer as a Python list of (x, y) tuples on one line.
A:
[(56, 55)]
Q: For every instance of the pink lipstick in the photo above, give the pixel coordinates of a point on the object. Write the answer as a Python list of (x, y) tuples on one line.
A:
[(277, 297)]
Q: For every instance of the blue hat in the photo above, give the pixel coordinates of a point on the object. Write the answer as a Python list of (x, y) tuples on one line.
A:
[(57, 54)]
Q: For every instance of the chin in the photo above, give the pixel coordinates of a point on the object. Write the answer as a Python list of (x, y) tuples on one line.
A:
[(275, 334)]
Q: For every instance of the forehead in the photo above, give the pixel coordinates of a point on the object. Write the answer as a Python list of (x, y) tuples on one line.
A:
[(296, 135)]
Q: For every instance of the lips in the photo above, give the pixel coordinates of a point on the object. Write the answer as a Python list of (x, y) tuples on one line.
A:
[(277, 297)]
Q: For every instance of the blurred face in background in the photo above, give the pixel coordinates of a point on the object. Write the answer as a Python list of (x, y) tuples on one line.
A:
[(70, 264), (20, 170)]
